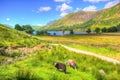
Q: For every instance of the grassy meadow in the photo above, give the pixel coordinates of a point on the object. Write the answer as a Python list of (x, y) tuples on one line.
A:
[(28, 57), (104, 44), (11, 37), (41, 67)]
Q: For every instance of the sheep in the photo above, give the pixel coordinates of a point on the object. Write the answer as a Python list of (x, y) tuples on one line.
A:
[(71, 63), (59, 65)]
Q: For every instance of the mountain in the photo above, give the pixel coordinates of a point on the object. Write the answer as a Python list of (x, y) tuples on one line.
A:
[(84, 19), (50, 23), (12, 37), (75, 18), (110, 17)]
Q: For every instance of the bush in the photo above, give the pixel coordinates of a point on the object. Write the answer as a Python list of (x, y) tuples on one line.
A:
[(97, 30), (18, 27), (26, 74), (71, 31), (104, 29), (112, 29), (88, 30), (118, 27)]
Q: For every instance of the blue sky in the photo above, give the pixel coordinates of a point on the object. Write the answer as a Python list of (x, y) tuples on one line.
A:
[(40, 12)]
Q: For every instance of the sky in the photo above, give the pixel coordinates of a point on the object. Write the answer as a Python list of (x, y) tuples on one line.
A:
[(40, 12)]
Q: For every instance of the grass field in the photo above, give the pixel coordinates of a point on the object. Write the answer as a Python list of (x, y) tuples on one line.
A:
[(41, 67), (108, 45), (11, 37), (26, 57)]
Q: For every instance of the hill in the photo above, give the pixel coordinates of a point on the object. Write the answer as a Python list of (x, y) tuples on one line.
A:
[(12, 37), (75, 18), (41, 67), (109, 18), (103, 18)]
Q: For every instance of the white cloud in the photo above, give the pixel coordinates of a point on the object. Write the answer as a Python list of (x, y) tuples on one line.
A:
[(95, 1), (77, 9), (65, 1), (112, 3), (7, 19), (64, 9), (90, 8), (45, 9), (63, 14)]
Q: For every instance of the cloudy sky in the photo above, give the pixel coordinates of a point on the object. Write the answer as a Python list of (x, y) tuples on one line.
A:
[(40, 12)]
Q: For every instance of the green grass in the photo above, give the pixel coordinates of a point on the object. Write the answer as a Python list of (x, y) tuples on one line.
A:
[(11, 37), (42, 67), (107, 45), (106, 51)]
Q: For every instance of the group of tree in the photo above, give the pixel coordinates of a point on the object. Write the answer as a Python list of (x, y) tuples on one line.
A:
[(104, 30), (26, 28), (42, 32)]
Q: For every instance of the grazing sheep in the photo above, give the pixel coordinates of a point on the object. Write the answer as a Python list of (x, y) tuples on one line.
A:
[(71, 63), (60, 66), (102, 72)]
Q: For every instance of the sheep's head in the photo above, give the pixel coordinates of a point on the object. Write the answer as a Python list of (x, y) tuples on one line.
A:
[(55, 64)]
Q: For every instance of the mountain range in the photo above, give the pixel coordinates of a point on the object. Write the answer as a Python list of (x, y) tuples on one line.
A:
[(88, 19)]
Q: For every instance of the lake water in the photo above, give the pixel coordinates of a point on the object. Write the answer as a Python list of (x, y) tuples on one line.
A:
[(60, 33)]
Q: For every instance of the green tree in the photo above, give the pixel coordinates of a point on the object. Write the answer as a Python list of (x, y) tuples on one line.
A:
[(41, 32), (97, 30), (112, 29), (104, 29), (18, 27), (88, 30), (28, 29), (118, 27), (71, 31)]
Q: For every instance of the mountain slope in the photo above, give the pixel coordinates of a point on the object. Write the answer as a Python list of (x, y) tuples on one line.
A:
[(12, 37), (75, 18), (109, 18), (103, 18)]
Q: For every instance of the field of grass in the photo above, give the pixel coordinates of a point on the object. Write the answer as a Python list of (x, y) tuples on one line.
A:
[(11, 40), (15, 45), (41, 67), (11, 37), (108, 45)]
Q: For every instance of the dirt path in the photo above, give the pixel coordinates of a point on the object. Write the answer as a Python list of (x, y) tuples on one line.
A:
[(108, 59)]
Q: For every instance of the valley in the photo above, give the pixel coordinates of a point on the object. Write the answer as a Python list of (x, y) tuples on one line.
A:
[(76, 44), (37, 62)]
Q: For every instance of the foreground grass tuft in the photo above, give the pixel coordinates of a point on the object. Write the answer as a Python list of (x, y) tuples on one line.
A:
[(26, 74)]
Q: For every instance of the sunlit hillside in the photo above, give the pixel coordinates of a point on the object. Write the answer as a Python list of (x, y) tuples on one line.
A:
[(12, 37), (104, 18)]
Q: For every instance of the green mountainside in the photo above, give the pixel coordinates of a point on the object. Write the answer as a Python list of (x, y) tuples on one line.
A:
[(109, 18), (103, 18), (75, 18), (12, 37)]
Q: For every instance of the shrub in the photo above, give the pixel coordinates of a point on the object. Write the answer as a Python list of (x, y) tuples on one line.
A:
[(88, 30), (104, 29), (71, 31), (26, 74), (97, 30), (112, 29)]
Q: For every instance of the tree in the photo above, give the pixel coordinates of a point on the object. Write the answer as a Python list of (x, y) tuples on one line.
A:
[(118, 27), (97, 30), (71, 31), (104, 29), (18, 27), (88, 30), (41, 32), (28, 29), (112, 29)]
